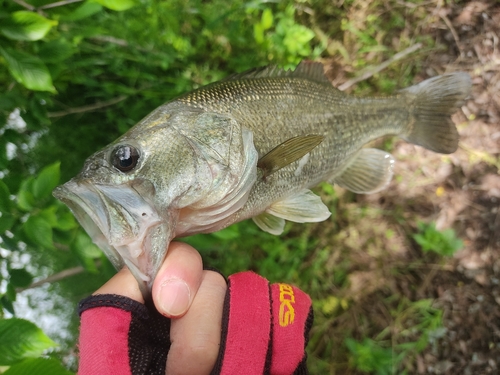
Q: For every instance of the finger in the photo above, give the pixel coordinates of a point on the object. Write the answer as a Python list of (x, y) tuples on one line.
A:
[(177, 280), (196, 336), (124, 284)]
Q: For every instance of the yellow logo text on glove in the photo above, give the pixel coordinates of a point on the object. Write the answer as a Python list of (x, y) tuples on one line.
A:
[(287, 299)]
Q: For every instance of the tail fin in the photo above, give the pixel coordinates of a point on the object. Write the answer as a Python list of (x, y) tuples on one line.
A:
[(432, 102)]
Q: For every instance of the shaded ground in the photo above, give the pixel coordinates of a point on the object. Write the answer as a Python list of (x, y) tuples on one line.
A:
[(469, 291), (459, 191)]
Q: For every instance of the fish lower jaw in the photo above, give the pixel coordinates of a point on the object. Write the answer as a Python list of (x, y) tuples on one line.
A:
[(135, 254), (136, 264)]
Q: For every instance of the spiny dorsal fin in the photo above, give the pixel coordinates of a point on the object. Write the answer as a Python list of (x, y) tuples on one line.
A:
[(288, 152), (310, 70)]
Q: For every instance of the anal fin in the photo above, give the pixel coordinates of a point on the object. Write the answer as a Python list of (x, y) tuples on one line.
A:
[(370, 171)]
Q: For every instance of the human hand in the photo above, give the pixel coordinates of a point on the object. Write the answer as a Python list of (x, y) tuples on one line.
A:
[(247, 327), (192, 297)]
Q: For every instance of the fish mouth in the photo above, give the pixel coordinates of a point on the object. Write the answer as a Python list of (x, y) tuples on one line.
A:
[(123, 224)]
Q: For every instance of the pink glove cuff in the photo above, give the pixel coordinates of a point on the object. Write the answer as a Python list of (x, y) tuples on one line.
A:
[(266, 328)]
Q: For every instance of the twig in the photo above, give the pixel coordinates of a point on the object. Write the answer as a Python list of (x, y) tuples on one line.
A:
[(24, 5), (453, 32), (110, 39), (88, 108), (53, 278), (377, 69), (58, 4)]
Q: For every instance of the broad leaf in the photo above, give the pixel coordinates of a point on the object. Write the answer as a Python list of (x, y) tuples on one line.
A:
[(85, 10), (65, 221), (28, 70), (118, 5), (86, 251), (25, 199), (5, 202), (20, 339), (38, 366), (46, 181), (26, 25), (7, 304), (19, 277), (7, 220), (56, 51), (39, 231)]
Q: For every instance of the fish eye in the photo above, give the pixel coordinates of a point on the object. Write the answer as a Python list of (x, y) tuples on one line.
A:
[(124, 158)]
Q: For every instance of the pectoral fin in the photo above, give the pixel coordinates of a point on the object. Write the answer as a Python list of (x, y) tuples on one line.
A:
[(304, 207), (288, 152), (369, 172)]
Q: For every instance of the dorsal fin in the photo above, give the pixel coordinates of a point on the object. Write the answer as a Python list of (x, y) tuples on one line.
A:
[(310, 70)]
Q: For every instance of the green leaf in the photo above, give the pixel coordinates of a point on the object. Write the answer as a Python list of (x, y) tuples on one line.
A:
[(25, 199), (441, 242), (39, 231), (38, 366), (56, 51), (46, 181), (20, 339), (86, 251), (28, 70), (6, 221), (65, 221), (7, 304), (11, 293), (267, 19), (118, 5), (19, 277), (5, 202), (26, 25), (258, 33), (85, 10)]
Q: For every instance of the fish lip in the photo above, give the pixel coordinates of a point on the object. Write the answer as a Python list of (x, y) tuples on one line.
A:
[(92, 205)]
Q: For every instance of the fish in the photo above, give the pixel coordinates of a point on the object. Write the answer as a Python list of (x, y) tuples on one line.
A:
[(250, 146)]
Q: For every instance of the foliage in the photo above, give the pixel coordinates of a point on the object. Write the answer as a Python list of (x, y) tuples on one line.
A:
[(79, 74), (21, 342), (444, 242), (283, 38), (416, 325), (368, 356)]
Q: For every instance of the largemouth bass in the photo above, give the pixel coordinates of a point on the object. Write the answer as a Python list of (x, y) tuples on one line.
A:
[(250, 146)]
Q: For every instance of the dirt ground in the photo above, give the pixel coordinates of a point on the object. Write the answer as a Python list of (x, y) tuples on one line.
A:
[(459, 191), (469, 291)]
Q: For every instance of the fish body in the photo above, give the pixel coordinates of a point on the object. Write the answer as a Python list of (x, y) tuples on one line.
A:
[(250, 146)]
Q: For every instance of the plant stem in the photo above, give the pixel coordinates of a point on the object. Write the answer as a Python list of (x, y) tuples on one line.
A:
[(53, 278), (379, 68)]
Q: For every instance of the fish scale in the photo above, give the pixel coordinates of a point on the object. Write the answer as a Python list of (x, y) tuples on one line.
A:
[(250, 146), (306, 107)]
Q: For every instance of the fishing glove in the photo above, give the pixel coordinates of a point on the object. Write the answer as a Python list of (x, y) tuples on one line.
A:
[(264, 331)]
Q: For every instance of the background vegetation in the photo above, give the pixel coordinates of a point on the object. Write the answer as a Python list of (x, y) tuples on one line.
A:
[(76, 74)]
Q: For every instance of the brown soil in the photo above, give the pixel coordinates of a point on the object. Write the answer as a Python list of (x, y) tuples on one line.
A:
[(459, 191), (469, 290)]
